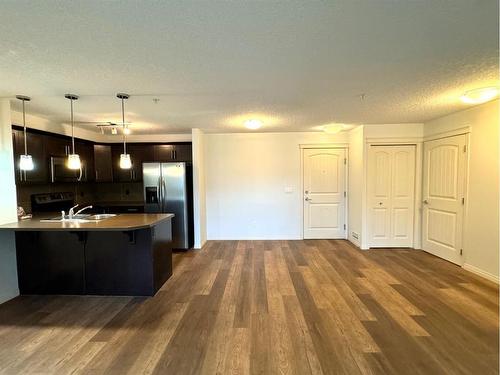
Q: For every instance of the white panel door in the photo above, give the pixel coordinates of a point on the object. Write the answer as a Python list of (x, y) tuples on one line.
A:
[(443, 193), (391, 195), (324, 193)]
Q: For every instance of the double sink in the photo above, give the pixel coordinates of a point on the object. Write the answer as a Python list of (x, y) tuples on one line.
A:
[(80, 218)]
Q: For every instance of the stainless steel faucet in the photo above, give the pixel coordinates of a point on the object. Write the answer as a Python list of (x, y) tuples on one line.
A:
[(72, 213), (83, 209)]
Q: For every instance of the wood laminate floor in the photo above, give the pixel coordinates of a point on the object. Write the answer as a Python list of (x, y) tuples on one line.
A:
[(268, 307)]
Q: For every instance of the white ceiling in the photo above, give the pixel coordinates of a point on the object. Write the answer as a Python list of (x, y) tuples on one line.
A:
[(297, 65)]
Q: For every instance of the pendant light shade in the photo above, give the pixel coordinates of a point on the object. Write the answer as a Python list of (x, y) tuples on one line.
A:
[(25, 160), (73, 158), (74, 161), (26, 163), (125, 160)]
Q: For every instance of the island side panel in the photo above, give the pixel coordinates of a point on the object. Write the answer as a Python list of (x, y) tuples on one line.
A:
[(119, 263), (50, 262), (162, 253)]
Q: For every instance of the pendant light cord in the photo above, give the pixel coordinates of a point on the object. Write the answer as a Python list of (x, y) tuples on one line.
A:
[(24, 126), (123, 125), (72, 128)]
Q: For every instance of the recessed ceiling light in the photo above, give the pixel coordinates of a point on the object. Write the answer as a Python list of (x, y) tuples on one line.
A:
[(479, 96), (333, 128), (253, 124), (126, 130)]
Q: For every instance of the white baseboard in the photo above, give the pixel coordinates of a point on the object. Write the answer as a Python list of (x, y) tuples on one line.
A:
[(354, 241), (481, 273)]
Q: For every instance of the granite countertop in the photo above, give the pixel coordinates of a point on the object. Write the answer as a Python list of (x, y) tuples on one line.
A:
[(119, 222)]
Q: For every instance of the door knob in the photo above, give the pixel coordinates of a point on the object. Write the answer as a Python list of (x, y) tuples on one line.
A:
[(380, 203), (425, 201), (308, 199)]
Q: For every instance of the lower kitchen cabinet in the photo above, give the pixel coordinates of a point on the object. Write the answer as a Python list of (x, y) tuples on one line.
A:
[(132, 263)]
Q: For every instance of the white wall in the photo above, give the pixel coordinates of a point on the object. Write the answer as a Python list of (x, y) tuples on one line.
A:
[(356, 183), (394, 131), (246, 177), (481, 228), (199, 189), (8, 207)]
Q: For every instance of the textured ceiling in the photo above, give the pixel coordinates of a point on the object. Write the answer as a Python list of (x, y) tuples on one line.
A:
[(297, 65)]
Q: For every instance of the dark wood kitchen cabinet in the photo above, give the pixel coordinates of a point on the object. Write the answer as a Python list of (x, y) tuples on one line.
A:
[(103, 163), (139, 153), (57, 146), (86, 152), (172, 153), (36, 148)]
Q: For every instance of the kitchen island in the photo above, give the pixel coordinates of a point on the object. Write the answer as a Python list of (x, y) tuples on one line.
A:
[(128, 254)]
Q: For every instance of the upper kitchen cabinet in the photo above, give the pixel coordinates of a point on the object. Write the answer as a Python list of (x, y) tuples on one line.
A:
[(103, 163), (172, 153), (139, 153), (86, 152), (36, 148), (57, 146)]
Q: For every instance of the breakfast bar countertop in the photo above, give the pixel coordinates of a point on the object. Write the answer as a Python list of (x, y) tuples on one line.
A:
[(120, 222)]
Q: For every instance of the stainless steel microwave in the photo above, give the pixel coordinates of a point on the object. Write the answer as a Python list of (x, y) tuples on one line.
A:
[(59, 171)]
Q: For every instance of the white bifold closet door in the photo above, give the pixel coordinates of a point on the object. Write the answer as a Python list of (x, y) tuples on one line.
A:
[(391, 195)]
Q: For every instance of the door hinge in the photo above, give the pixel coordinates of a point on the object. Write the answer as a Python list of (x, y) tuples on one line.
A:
[(465, 148), (461, 251), (344, 227), (345, 194), (345, 160), (463, 200)]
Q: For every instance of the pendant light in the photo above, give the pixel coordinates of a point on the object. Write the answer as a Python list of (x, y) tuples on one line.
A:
[(125, 161), (73, 158), (25, 161)]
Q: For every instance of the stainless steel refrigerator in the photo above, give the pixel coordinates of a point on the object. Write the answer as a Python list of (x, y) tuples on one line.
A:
[(168, 188)]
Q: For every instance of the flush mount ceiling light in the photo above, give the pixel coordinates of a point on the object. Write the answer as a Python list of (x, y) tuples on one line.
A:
[(113, 131), (253, 124), (478, 96), (73, 158), (126, 130), (25, 161), (125, 161), (333, 128)]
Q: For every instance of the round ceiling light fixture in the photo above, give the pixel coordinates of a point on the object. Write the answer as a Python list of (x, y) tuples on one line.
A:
[(253, 124), (478, 96), (333, 128)]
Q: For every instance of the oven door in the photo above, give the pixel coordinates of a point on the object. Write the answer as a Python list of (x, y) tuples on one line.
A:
[(59, 171)]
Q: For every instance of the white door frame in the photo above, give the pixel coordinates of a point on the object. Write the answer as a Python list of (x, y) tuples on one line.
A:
[(417, 202), (466, 130), (341, 146)]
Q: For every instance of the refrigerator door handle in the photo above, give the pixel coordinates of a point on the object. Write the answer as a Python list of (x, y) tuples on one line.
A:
[(164, 191), (160, 194)]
